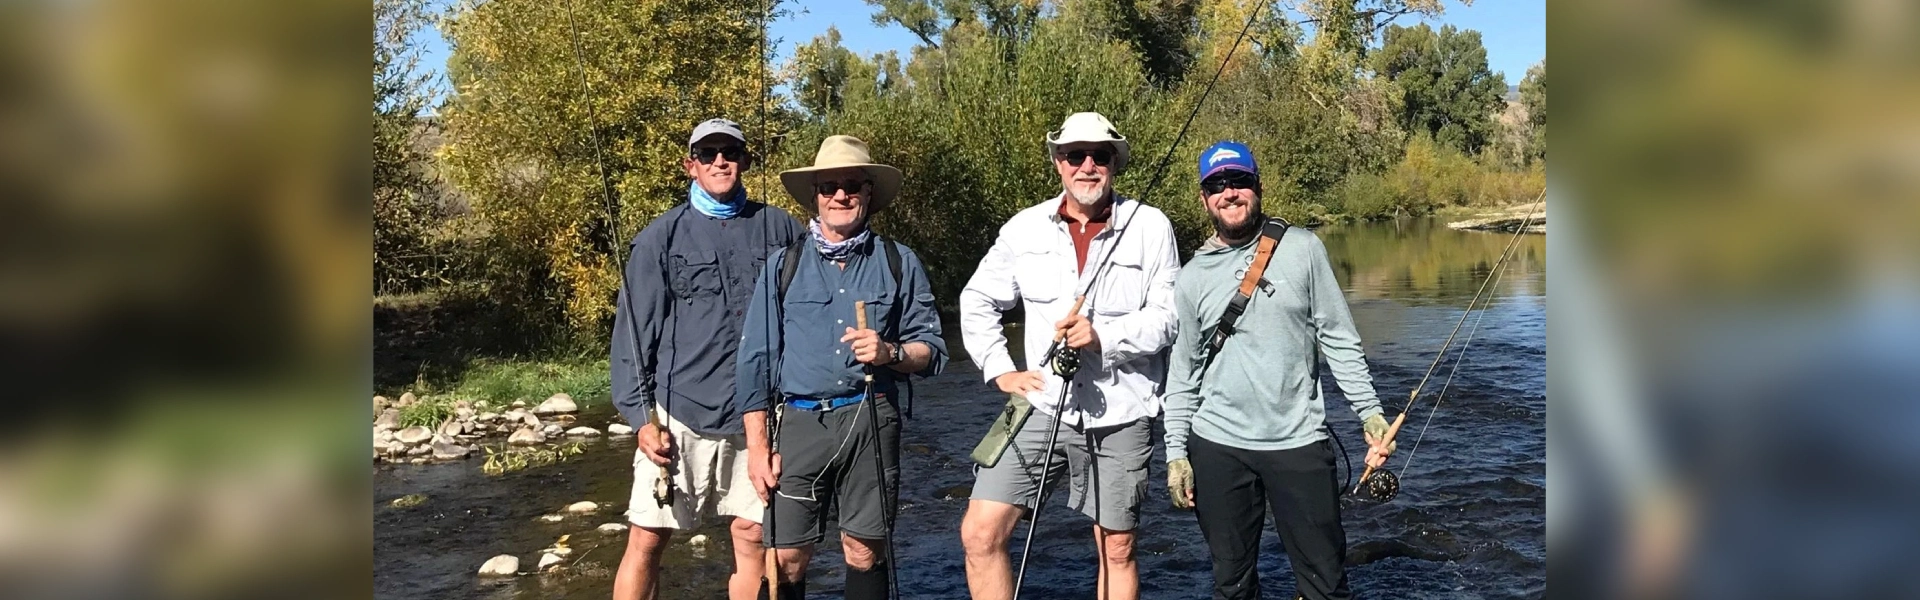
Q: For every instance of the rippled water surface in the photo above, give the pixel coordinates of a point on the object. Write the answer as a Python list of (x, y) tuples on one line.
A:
[(1470, 521)]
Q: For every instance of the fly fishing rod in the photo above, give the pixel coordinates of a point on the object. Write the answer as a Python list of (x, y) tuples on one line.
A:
[(1054, 350), (1386, 485)]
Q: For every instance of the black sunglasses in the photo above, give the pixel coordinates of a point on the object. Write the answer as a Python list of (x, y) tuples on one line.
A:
[(852, 186), (1077, 157), (1239, 180), (733, 153)]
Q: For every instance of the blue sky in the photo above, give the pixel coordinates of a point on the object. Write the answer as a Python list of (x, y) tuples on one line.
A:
[(1514, 31)]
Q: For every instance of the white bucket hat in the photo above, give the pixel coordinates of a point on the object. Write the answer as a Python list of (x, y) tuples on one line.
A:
[(1091, 127)]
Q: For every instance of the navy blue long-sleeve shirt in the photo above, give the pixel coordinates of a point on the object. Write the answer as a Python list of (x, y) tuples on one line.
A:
[(682, 298), (813, 362)]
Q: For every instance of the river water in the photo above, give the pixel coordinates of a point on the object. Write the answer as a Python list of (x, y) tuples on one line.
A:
[(1470, 521)]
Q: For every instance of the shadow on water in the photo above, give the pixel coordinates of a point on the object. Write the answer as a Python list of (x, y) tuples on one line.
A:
[(1470, 521)]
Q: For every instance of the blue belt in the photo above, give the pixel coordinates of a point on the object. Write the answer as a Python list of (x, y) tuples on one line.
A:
[(804, 403)]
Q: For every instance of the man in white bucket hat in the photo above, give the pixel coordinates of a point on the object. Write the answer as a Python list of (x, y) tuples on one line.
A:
[(1119, 255)]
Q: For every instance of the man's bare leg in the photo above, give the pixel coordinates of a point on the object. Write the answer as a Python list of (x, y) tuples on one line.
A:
[(1119, 574), (640, 567), (748, 565), (984, 532)]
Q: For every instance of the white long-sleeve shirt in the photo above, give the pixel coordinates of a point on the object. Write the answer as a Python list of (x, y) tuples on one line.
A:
[(1033, 262)]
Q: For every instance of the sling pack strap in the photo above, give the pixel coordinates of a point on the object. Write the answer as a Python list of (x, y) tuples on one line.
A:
[(1270, 235), (790, 265)]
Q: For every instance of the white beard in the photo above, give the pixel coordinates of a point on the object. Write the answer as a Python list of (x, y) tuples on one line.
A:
[(1091, 199)]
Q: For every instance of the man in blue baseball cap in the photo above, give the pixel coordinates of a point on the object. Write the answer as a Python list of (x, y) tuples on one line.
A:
[(1245, 421)]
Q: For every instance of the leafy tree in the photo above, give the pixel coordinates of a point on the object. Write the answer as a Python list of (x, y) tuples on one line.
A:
[(403, 198), (1446, 88), (1533, 94), (548, 96)]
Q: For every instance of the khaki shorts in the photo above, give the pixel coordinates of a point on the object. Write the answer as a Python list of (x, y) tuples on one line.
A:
[(1107, 484), (709, 473)]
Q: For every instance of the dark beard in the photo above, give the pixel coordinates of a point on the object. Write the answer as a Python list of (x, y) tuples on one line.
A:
[(1236, 235)]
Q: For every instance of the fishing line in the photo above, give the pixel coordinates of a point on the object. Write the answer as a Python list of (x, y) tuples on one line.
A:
[(593, 131), (1382, 485)]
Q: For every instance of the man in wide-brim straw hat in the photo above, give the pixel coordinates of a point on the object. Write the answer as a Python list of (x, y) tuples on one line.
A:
[(1046, 256), (805, 358)]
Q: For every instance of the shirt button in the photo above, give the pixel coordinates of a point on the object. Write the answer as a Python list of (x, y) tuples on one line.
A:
[(843, 290), (839, 321)]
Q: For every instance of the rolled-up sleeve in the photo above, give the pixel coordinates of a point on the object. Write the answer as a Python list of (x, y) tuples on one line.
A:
[(1144, 332), (992, 290), (760, 334), (638, 316), (1338, 338), (920, 320)]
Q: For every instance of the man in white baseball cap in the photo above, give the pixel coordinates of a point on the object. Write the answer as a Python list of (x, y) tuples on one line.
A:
[(1048, 257)]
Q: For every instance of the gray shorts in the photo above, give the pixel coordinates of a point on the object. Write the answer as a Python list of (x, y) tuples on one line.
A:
[(827, 461), (1120, 472)]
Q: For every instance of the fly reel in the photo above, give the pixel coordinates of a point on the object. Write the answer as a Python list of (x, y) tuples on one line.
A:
[(1380, 487)]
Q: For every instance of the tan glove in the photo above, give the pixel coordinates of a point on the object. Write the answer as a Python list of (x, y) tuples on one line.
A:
[(1180, 483), (1376, 428)]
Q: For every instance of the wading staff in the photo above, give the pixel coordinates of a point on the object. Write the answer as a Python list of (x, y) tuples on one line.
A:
[(879, 462), (1053, 437), (1394, 429)]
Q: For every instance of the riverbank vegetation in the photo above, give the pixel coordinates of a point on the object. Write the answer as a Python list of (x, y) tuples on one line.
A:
[(501, 219)]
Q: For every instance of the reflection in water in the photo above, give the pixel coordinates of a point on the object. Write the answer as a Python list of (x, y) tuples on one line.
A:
[(1470, 521)]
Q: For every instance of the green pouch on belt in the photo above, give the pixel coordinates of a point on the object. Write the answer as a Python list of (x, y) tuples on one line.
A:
[(1000, 435)]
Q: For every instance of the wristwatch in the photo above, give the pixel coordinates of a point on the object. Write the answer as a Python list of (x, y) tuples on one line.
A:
[(893, 354)]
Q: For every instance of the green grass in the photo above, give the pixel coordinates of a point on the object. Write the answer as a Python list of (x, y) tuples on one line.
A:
[(499, 381), (428, 412)]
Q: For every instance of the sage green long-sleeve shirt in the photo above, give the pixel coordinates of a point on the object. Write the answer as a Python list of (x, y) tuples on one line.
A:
[(1263, 390)]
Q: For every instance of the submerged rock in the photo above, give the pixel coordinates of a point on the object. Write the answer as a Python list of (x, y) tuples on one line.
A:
[(449, 451), (583, 432), (612, 528), (502, 565), (619, 429), (552, 429), (552, 518), (409, 501), (699, 540), (583, 507), (557, 403), (526, 436), (548, 560)]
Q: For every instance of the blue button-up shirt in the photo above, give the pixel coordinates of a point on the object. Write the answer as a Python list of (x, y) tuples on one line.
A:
[(681, 303), (818, 310)]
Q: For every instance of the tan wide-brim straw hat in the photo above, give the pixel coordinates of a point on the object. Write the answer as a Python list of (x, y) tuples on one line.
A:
[(843, 151)]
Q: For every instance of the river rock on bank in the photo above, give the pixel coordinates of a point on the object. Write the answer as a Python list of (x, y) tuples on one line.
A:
[(505, 565), (413, 435), (583, 432), (388, 419), (407, 399), (555, 404)]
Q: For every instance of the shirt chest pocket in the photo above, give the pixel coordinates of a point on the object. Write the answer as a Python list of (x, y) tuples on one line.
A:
[(694, 274), (1123, 287), (1040, 277)]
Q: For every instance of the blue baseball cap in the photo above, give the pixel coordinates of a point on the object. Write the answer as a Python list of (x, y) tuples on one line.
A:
[(1225, 155)]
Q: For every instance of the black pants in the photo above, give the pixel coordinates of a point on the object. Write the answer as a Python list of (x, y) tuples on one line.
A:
[(1232, 489)]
